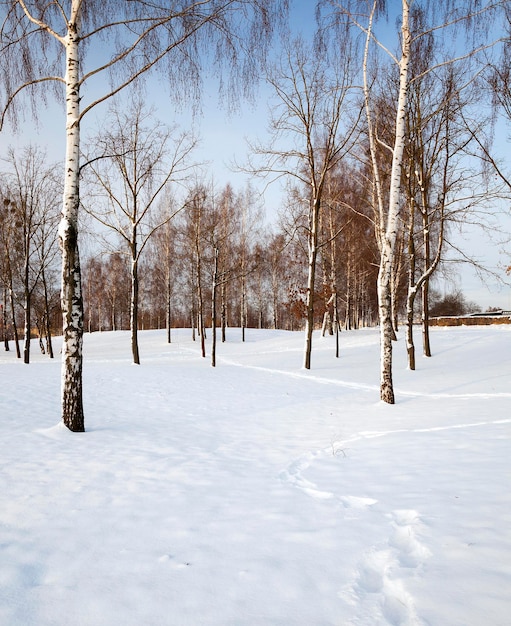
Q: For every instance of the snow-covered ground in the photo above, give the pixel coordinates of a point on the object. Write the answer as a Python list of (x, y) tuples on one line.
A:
[(258, 493)]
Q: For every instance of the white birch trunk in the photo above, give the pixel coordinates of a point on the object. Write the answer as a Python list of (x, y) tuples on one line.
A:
[(169, 304), (412, 289), (389, 234), (311, 277), (71, 294)]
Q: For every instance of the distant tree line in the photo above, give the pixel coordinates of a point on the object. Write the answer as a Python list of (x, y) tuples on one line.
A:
[(29, 212), (218, 242), (211, 253)]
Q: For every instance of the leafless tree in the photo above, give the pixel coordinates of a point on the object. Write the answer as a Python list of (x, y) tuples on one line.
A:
[(346, 228), (455, 38), (70, 44), (226, 228), (249, 221), (198, 252), (140, 157), (164, 261), (33, 193), (312, 131), (8, 262)]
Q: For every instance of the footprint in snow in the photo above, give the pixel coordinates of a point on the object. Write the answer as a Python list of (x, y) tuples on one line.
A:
[(293, 475), (381, 571), (357, 502)]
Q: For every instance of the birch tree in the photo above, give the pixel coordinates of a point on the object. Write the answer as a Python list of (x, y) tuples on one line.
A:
[(453, 25), (198, 253), (140, 158), (432, 186), (313, 95), (250, 217), (165, 263), (344, 228), (388, 222), (218, 233), (7, 238), (33, 193), (225, 228), (120, 41)]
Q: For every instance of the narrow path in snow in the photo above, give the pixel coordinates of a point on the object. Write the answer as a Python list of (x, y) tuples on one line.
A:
[(364, 387), (293, 473), (369, 434), (381, 572), (380, 578)]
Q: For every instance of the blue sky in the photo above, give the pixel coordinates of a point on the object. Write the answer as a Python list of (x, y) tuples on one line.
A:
[(223, 141)]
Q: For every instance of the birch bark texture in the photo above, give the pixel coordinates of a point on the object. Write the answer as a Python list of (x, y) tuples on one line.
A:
[(390, 232), (387, 222), (71, 283), (130, 39)]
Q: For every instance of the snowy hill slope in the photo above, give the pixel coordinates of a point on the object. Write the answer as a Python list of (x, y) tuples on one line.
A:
[(258, 493)]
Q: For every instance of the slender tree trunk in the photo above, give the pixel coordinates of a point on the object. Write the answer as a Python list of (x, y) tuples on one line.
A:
[(243, 304), (213, 310), (389, 230), (200, 304), (410, 298), (327, 326), (134, 308), (169, 316), (4, 320), (14, 325), (410, 346), (134, 291), (326, 323), (311, 277), (89, 307), (426, 345), (243, 311), (47, 327), (113, 321), (393, 302), (28, 314), (223, 313), (27, 296), (348, 318), (337, 326), (275, 322), (71, 295), (333, 284)]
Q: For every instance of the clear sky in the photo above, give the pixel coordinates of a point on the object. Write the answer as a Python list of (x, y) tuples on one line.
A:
[(223, 141)]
